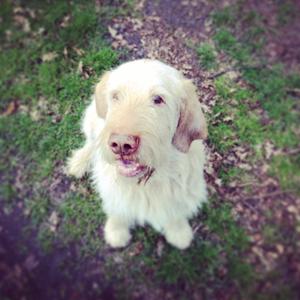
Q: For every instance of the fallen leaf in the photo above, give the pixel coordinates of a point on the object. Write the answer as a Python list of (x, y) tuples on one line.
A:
[(11, 108), (269, 149), (30, 262), (245, 166), (18, 10), (49, 56), (65, 52), (53, 221), (280, 248), (138, 248), (80, 67), (118, 259), (113, 32), (79, 51), (35, 114), (66, 21), (23, 22), (292, 209), (159, 248)]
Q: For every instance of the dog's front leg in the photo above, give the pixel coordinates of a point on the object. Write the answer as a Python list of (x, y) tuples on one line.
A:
[(79, 162), (178, 233), (116, 232)]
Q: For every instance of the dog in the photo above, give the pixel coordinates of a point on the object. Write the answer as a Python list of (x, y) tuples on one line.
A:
[(144, 133)]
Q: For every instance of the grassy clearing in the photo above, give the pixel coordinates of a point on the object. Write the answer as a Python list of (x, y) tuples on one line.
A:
[(254, 107), (41, 75), (48, 74), (207, 55), (214, 260), (236, 119)]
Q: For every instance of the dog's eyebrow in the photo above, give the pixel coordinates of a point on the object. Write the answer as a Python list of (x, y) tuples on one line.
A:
[(114, 94), (158, 90)]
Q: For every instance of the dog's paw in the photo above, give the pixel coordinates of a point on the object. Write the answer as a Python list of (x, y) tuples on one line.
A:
[(116, 234), (78, 163), (118, 238), (180, 238)]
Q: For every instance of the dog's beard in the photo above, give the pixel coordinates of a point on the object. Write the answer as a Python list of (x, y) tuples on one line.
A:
[(150, 158)]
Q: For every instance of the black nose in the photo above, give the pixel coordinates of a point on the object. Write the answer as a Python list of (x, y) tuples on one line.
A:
[(123, 144)]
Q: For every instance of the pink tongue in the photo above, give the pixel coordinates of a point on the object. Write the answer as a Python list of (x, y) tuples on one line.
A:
[(129, 168)]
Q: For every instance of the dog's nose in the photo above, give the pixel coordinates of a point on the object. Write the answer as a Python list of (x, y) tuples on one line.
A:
[(123, 144)]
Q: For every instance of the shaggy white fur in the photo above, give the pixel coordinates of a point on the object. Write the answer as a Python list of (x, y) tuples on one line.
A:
[(161, 183)]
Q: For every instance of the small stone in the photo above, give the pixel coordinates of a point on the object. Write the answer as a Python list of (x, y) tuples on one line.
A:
[(280, 248), (292, 209)]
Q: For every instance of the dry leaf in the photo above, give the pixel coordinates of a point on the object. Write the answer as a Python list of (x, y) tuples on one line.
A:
[(292, 209), (23, 22), (66, 21), (79, 51), (280, 248), (159, 248), (112, 32), (31, 263), (269, 149), (65, 52), (80, 67), (138, 248), (11, 108), (245, 166), (49, 56), (53, 221)]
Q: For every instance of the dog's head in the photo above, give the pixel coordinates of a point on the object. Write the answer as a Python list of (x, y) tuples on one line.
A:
[(149, 108)]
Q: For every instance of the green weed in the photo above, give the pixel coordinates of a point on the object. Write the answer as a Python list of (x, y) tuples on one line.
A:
[(286, 170), (51, 96), (82, 217), (286, 12), (206, 53), (203, 260)]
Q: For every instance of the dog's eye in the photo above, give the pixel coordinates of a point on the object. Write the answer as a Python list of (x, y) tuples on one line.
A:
[(115, 96), (158, 100)]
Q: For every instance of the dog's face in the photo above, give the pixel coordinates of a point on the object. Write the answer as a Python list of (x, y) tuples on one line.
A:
[(149, 108)]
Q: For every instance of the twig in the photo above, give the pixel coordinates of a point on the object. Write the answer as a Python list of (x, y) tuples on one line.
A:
[(197, 228), (218, 74), (292, 151), (236, 67), (252, 208), (269, 195), (294, 92)]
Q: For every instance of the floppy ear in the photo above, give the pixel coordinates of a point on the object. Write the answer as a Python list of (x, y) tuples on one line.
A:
[(191, 125), (100, 95)]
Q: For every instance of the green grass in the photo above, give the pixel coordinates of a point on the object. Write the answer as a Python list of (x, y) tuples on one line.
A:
[(232, 122), (255, 107), (286, 13), (82, 217), (51, 97), (207, 55), (218, 247), (286, 170), (268, 85)]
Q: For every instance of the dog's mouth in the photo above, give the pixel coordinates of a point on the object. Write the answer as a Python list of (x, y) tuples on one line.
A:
[(130, 168)]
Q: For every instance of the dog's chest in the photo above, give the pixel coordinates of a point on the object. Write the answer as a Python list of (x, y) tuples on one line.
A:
[(161, 198)]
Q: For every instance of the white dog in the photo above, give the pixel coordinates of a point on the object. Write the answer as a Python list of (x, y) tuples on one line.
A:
[(139, 131)]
